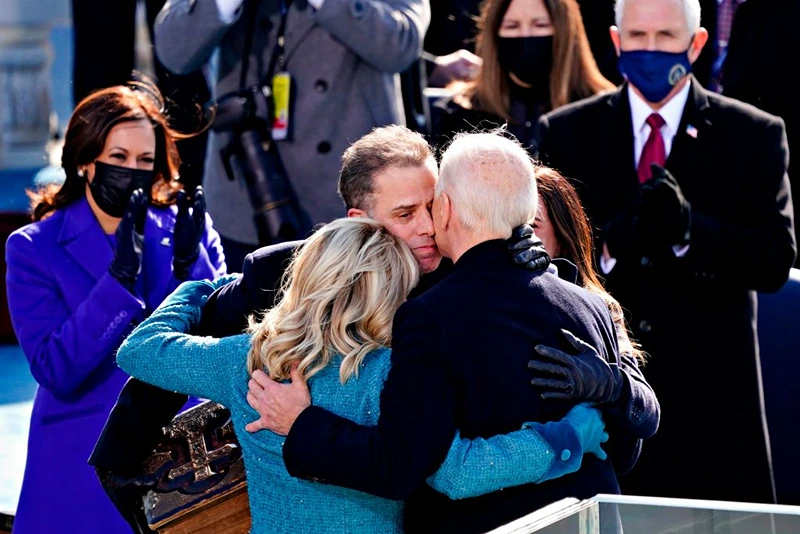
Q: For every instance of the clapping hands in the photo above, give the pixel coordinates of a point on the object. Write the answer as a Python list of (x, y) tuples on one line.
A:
[(190, 225), (127, 262)]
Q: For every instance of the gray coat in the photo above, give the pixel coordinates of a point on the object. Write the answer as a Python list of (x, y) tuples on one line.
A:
[(344, 60)]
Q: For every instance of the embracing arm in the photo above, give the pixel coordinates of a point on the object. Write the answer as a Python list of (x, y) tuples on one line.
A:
[(134, 425), (638, 411), (537, 453), (387, 34), (415, 428), (63, 348), (162, 353), (255, 290)]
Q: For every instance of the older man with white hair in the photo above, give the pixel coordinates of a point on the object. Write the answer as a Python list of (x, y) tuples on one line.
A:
[(691, 193), (459, 354)]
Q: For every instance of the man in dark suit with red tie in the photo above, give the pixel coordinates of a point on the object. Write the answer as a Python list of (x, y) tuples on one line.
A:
[(691, 199)]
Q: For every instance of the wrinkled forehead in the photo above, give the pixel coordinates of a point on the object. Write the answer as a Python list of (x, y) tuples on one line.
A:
[(653, 16), (405, 187)]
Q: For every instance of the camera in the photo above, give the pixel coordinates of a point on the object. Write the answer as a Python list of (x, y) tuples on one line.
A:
[(252, 156)]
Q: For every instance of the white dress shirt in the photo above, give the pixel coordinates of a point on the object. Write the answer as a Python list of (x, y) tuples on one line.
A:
[(671, 112)]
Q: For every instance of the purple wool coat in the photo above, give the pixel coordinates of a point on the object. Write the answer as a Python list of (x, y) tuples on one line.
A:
[(70, 316)]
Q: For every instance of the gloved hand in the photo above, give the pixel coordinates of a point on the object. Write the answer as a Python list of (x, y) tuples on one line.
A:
[(588, 424), (127, 495), (621, 233), (585, 377), (527, 249), (189, 230), (666, 215), (127, 262)]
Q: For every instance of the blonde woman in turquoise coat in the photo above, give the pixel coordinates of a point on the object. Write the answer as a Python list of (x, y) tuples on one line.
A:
[(105, 249), (333, 327)]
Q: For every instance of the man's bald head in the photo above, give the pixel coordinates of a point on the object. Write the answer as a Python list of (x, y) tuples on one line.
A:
[(491, 183)]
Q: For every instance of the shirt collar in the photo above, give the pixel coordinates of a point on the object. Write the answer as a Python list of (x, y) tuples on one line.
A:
[(671, 112)]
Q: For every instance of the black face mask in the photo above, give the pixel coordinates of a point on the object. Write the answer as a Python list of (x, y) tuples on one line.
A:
[(112, 186), (530, 59)]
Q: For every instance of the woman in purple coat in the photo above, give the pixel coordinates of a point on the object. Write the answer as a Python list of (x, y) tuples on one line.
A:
[(105, 249)]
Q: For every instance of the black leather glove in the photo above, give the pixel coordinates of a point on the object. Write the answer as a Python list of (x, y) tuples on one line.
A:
[(621, 233), (189, 230), (527, 249), (127, 262), (127, 495), (666, 215), (585, 377)]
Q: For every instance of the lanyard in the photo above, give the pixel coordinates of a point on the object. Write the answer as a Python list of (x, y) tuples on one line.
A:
[(280, 42), (277, 54)]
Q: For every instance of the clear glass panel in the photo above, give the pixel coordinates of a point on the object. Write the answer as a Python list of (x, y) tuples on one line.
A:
[(648, 515), (616, 514)]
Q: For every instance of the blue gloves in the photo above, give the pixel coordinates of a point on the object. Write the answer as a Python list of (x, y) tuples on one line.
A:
[(189, 230), (127, 262), (588, 424), (585, 377), (527, 249)]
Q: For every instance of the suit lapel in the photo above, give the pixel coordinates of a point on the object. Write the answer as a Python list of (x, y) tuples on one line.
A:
[(83, 239), (694, 130), (622, 137)]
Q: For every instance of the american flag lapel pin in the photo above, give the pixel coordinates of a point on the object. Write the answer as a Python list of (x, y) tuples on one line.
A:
[(691, 131)]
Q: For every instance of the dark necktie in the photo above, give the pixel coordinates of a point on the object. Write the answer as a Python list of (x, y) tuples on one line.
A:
[(654, 150)]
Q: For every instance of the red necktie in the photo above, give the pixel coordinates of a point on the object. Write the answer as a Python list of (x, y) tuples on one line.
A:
[(654, 150)]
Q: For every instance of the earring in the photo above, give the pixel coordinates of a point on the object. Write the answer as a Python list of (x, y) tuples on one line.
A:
[(81, 173)]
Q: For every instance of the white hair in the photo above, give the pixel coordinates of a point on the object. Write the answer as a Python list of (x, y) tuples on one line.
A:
[(691, 9), (491, 182)]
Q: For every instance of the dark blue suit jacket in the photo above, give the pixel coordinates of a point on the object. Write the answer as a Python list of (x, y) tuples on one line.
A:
[(459, 356)]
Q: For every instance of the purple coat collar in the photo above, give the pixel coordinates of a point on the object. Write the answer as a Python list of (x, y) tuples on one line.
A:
[(84, 239)]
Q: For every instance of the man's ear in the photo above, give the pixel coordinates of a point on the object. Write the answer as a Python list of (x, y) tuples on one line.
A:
[(614, 31), (446, 211), (698, 42), (355, 212)]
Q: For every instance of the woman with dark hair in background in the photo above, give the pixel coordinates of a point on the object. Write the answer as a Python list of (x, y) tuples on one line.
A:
[(105, 248), (623, 394), (536, 58)]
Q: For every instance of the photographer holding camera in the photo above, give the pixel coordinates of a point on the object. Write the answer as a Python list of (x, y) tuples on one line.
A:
[(332, 67)]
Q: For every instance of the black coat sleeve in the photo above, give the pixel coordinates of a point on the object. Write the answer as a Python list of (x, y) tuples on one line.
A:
[(638, 412), (227, 309), (633, 419), (133, 427), (415, 429)]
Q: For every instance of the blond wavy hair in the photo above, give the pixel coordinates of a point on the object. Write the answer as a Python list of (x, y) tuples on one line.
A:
[(339, 296)]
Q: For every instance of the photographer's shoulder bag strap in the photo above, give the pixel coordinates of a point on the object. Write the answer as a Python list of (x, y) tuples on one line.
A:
[(278, 85)]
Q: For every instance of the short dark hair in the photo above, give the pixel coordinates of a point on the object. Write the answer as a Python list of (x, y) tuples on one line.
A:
[(387, 146)]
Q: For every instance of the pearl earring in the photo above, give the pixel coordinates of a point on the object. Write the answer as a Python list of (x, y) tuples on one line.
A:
[(81, 173)]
